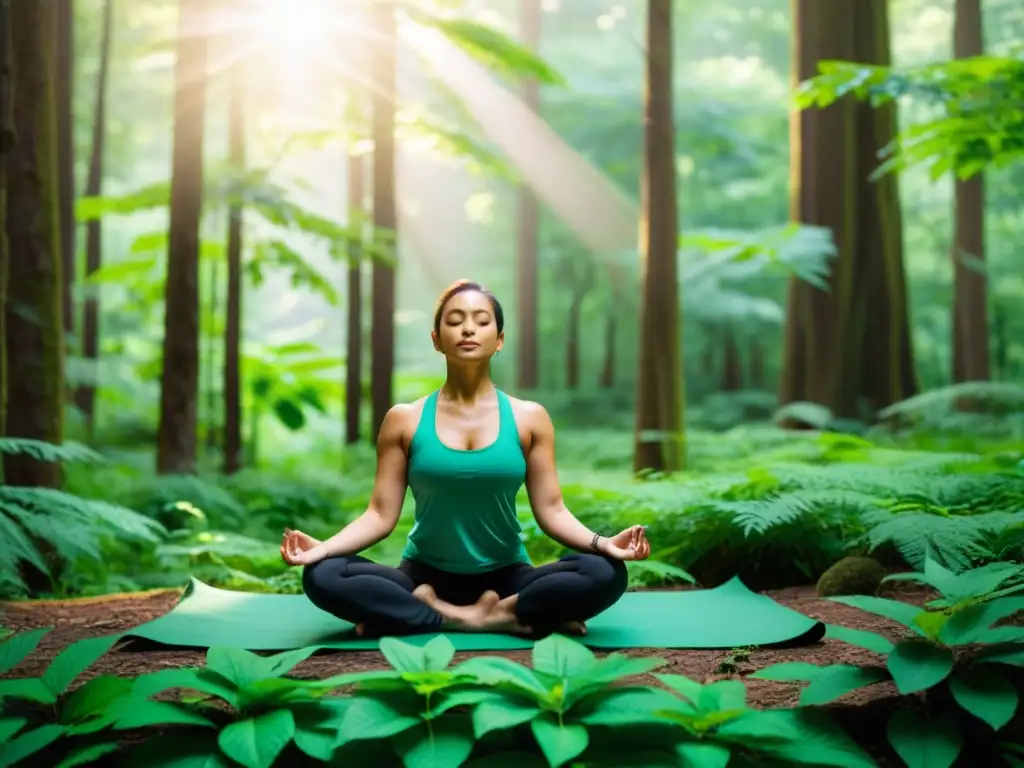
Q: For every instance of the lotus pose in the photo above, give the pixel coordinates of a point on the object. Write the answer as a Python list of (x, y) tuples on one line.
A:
[(465, 451)]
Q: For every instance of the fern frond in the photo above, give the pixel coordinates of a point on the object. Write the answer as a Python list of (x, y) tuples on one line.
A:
[(999, 396), (42, 451), (758, 516)]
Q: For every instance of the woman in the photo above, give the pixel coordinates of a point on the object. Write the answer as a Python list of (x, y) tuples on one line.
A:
[(465, 451)]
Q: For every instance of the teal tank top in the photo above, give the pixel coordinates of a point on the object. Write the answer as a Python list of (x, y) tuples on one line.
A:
[(466, 500)]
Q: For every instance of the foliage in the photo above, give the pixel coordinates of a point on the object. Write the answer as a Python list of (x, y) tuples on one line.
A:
[(976, 123), (968, 612), (486, 710)]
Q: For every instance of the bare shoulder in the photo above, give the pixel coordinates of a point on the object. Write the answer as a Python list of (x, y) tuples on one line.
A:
[(401, 420), (531, 415)]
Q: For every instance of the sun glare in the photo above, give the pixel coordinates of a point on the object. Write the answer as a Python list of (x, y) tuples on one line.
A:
[(295, 28)]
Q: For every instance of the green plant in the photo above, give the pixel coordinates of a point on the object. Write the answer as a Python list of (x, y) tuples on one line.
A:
[(967, 613)]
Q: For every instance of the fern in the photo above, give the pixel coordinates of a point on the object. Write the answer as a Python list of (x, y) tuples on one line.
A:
[(48, 452), (758, 516), (70, 526)]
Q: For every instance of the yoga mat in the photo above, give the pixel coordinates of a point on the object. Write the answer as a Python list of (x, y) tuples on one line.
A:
[(728, 616)]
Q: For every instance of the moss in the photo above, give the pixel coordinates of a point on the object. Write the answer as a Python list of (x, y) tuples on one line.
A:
[(851, 576)]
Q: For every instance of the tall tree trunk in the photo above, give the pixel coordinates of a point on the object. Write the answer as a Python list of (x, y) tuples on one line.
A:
[(233, 322), (34, 332), (528, 224), (611, 330), (659, 439), (732, 363), (66, 155), (382, 337), (179, 379), (848, 348), (582, 285), (970, 300), (86, 394), (7, 138), (354, 320)]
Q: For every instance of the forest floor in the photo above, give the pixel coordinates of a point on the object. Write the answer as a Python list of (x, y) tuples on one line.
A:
[(863, 713)]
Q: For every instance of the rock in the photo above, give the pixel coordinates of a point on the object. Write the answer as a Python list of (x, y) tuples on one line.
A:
[(851, 576)]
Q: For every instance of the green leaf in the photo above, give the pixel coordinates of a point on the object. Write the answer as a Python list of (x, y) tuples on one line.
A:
[(498, 671), (984, 693), (204, 680), (501, 715), (316, 726), (860, 638), (559, 656), (687, 688), (27, 688), (802, 735), (838, 680), (16, 648), (559, 743), (626, 706), (244, 668), (257, 742), (698, 755), (469, 697), (788, 671), (131, 712), (722, 695), (74, 660), (87, 755), (435, 656), (370, 718), (93, 697), (28, 743), (916, 665), (446, 744), (924, 743), (902, 613), (289, 413), (970, 624), (199, 750), (10, 726)]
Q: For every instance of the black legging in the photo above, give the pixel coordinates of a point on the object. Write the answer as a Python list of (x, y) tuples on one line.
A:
[(355, 589)]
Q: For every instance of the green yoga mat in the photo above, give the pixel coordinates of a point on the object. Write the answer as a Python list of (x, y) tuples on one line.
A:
[(728, 616)]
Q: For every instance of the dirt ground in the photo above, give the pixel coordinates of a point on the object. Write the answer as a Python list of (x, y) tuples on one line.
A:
[(863, 713)]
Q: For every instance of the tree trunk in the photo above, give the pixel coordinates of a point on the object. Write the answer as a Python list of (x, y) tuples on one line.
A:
[(354, 320), (970, 302), (732, 364), (607, 380), (7, 137), (233, 322), (66, 155), (34, 330), (528, 224), (382, 339), (756, 373), (582, 285), (179, 379), (659, 439), (848, 349), (86, 394)]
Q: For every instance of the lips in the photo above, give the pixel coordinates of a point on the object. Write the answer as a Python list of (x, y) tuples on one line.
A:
[(468, 345)]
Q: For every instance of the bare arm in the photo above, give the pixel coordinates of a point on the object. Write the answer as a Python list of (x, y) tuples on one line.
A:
[(385, 507)]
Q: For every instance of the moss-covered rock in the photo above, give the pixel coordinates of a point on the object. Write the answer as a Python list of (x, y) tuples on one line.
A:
[(851, 576)]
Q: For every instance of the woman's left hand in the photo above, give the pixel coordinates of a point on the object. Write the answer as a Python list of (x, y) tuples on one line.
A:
[(631, 544)]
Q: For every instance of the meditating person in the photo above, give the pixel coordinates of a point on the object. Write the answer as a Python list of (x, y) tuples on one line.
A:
[(465, 451)]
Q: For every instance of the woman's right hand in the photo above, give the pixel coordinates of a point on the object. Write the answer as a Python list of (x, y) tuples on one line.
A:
[(298, 548)]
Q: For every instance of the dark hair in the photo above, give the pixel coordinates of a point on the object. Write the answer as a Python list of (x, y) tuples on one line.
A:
[(461, 286)]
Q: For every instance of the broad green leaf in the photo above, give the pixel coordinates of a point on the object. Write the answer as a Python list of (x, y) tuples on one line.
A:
[(170, 750), (257, 742), (925, 743), (289, 413), (244, 668), (562, 657), (200, 679), (722, 696), (801, 735), (373, 679), (446, 744), (970, 624), (316, 725), (132, 712), (28, 688), (498, 671), (627, 706), (697, 755), (88, 755), (686, 687), (16, 648), (559, 743), (500, 715), (755, 727), (93, 697), (838, 680), (861, 638), (902, 613), (10, 726), (612, 668), (435, 656), (371, 718), (916, 665), (74, 660), (985, 693), (470, 697), (28, 743)]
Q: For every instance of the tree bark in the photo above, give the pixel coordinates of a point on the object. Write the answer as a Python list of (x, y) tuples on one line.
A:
[(86, 394), (7, 138), (179, 380), (354, 319), (34, 332), (382, 339), (528, 224), (659, 438), (970, 299), (66, 155), (233, 320), (848, 349), (582, 285), (607, 379), (732, 363)]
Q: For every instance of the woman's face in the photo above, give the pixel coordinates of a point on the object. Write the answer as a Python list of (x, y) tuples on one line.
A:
[(468, 329)]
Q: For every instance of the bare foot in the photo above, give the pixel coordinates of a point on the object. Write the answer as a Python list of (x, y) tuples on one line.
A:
[(494, 615), (573, 628)]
